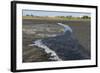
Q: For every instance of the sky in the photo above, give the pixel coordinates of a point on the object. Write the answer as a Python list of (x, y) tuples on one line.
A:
[(53, 13)]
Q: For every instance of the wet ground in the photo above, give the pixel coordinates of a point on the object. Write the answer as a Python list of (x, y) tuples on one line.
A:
[(39, 29)]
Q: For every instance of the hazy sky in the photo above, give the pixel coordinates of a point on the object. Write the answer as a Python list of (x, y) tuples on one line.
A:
[(53, 13)]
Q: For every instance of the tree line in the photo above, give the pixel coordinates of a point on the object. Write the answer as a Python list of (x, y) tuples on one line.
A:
[(69, 17)]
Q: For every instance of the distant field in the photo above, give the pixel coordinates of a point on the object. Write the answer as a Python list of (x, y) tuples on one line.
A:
[(53, 18), (37, 28)]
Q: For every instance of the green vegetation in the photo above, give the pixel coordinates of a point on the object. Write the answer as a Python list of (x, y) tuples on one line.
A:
[(86, 17), (57, 17), (74, 18)]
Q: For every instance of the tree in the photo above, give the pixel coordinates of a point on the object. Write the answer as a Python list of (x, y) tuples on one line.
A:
[(85, 17)]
